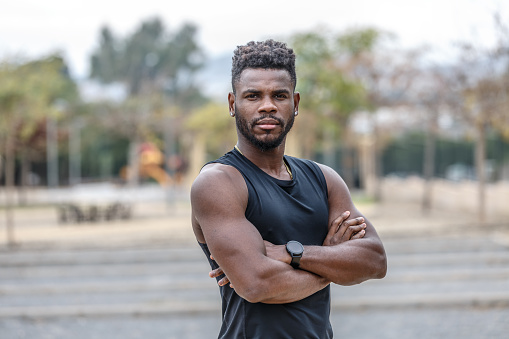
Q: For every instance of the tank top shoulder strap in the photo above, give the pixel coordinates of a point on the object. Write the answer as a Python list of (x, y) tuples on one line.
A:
[(235, 159)]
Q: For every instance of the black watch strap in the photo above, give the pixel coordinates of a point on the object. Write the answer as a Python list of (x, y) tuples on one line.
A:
[(295, 261), (295, 249)]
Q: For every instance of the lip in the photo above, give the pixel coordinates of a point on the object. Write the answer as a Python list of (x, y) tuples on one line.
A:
[(267, 124)]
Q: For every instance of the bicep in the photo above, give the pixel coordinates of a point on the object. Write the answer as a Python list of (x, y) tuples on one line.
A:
[(219, 201), (340, 199), (364, 257), (219, 205)]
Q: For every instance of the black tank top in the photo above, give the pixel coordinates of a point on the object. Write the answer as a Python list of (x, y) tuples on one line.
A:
[(281, 210)]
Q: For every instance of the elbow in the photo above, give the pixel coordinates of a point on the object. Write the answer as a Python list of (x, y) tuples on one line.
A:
[(381, 270), (252, 294), (376, 268), (378, 265), (252, 289)]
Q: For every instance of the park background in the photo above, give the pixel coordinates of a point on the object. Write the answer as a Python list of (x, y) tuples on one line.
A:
[(108, 111)]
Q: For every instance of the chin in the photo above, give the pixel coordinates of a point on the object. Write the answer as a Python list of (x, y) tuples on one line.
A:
[(267, 145)]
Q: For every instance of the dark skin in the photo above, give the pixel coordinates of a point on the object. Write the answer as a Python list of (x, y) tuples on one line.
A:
[(260, 272)]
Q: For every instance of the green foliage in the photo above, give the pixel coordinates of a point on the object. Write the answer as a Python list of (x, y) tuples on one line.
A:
[(30, 91), (405, 155), (150, 59), (213, 122), (105, 153), (329, 96), (358, 41), (157, 68)]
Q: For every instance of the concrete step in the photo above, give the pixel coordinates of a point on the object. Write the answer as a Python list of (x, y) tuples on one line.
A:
[(183, 307), (416, 287), (427, 272), (100, 256)]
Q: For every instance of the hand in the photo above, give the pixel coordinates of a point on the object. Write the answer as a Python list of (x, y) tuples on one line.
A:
[(218, 272), (277, 252), (344, 229)]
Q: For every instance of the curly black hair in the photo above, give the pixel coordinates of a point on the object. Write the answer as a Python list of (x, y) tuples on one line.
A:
[(268, 54)]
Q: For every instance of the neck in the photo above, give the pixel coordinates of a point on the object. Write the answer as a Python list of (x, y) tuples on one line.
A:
[(271, 161)]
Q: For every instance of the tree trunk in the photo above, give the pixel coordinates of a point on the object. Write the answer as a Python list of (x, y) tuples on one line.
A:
[(367, 165), (378, 164), (74, 153), (197, 156), (52, 152), (480, 155), (9, 190), (25, 172), (347, 160), (429, 164), (133, 176), (329, 151)]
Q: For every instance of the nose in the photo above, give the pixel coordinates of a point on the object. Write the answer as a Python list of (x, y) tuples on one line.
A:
[(267, 105)]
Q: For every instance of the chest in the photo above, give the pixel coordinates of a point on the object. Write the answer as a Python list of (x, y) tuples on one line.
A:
[(282, 213)]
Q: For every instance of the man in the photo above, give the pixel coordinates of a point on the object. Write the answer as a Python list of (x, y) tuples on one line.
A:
[(280, 228)]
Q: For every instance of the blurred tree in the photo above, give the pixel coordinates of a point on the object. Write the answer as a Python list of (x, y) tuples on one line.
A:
[(28, 93), (386, 75), (329, 97), (216, 126), (430, 97), (157, 70), (479, 96)]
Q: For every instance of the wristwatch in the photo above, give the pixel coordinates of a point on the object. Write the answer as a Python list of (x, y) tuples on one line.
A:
[(295, 249)]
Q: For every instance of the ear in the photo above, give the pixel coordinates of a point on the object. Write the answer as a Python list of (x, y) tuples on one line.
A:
[(296, 100), (231, 103)]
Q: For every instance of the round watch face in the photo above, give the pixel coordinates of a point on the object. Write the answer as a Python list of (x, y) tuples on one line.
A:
[(295, 247)]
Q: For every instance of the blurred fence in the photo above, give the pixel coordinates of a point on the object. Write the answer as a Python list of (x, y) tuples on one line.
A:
[(461, 197)]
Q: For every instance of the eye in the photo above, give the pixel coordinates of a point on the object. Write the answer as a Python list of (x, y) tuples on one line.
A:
[(251, 96), (281, 96)]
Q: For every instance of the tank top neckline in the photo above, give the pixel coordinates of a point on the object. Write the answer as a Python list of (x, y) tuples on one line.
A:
[(282, 183)]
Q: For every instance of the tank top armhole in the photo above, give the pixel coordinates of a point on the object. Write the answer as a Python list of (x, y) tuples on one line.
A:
[(232, 164), (322, 179), (318, 172)]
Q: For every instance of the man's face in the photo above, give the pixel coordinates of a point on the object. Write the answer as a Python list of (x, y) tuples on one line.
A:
[(264, 106)]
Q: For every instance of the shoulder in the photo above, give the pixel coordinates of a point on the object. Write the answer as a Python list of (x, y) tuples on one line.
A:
[(305, 164), (334, 181), (329, 174), (218, 181)]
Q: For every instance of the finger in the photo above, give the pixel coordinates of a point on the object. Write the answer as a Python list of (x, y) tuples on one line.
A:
[(344, 227), (354, 221), (345, 232), (358, 235), (223, 281), (351, 230), (216, 273), (338, 222), (268, 243)]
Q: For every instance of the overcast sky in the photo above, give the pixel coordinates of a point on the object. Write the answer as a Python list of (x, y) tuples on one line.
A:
[(35, 28)]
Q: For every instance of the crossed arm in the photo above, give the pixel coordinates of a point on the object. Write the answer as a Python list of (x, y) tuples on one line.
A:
[(260, 271)]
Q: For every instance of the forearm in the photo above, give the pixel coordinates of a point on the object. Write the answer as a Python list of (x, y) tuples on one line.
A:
[(287, 285), (347, 263)]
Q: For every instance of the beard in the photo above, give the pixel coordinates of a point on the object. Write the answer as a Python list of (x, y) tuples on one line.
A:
[(245, 127)]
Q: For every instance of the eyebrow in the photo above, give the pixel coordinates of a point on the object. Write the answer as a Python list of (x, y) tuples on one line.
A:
[(277, 91), (282, 91), (254, 91)]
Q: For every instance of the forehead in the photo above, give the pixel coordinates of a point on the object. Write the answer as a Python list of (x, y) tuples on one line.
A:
[(257, 78)]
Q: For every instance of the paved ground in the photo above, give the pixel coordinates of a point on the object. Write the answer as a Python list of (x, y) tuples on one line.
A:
[(147, 278)]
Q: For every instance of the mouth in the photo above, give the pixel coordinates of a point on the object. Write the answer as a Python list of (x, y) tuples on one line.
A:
[(267, 124)]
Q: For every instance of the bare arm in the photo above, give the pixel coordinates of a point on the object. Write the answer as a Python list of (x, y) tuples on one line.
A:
[(350, 262), (219, 200)]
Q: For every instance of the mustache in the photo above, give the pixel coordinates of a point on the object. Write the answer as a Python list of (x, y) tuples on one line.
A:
[(279, 120)]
